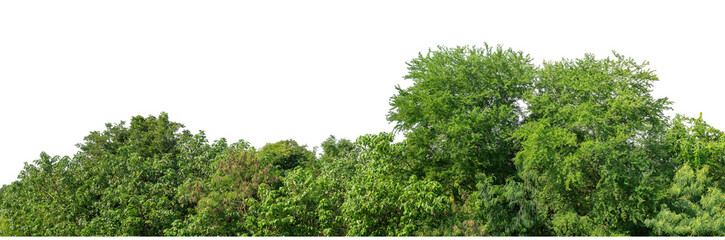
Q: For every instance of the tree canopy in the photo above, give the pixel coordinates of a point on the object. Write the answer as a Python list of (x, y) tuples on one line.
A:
[(494, 145)]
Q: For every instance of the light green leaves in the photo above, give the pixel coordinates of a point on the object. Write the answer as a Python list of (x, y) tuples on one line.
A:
[(694, 208), (460, 111), (583, 147), (382, 204), (694, 142)]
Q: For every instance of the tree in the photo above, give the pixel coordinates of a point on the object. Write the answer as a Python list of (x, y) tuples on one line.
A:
[(583, 154), (131, 175), (122, 182), (459, 113)]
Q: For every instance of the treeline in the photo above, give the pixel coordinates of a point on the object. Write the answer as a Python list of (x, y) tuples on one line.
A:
[(495, 145)]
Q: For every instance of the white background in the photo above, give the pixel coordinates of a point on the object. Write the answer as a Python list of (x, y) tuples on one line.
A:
[(265, 71)]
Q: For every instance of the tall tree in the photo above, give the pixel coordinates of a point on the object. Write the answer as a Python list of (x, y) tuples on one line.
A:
[(583, 158), (460, 111)]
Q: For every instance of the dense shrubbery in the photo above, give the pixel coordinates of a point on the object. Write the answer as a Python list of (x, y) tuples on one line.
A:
[(495, 145)]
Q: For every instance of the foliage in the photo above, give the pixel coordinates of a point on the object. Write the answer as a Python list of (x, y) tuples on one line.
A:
[(506, 209), (41, 202), (383, 203), (460, 111), (131, 174), (333, 148), (122, 182), (285, 155), (494, 146), (694, 142), (4, 226), (695, 206), (582, 157), (308, 203), (223, 201)]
